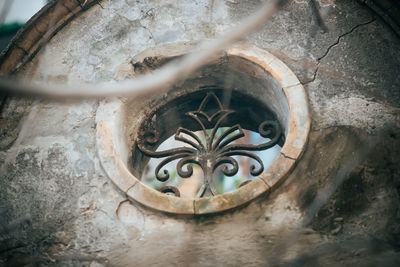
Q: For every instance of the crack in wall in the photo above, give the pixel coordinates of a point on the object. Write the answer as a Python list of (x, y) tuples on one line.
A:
[(314, 76), (286, 156), (129, 188), (343, 35), (20, 48), (337, 42)]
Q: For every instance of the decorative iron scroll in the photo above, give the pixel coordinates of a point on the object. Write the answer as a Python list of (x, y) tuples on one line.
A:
[(214, 152)]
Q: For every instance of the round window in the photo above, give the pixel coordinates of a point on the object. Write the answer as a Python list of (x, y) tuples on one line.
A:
[(225, 135), (220, 149)]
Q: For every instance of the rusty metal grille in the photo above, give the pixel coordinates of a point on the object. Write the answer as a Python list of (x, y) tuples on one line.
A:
[(211, 153)]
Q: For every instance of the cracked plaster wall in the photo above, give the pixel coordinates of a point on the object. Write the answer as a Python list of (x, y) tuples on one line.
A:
[(51, 176)]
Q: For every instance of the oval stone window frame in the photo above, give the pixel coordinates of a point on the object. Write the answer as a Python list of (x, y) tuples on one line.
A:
[(113, 149)]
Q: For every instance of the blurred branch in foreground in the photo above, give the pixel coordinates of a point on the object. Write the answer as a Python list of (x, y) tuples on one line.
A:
[(156, 81), (4, 10)]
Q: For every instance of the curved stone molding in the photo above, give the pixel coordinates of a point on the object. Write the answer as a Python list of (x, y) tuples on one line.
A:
[(113, 150), (39, 30)]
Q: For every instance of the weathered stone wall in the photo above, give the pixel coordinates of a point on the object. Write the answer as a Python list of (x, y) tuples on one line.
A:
[(58, 207)]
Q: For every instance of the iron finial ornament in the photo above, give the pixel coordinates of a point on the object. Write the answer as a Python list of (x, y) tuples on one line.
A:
[(214, 151)]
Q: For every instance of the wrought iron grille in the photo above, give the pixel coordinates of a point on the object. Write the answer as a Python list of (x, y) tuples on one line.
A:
[(211, 153)]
